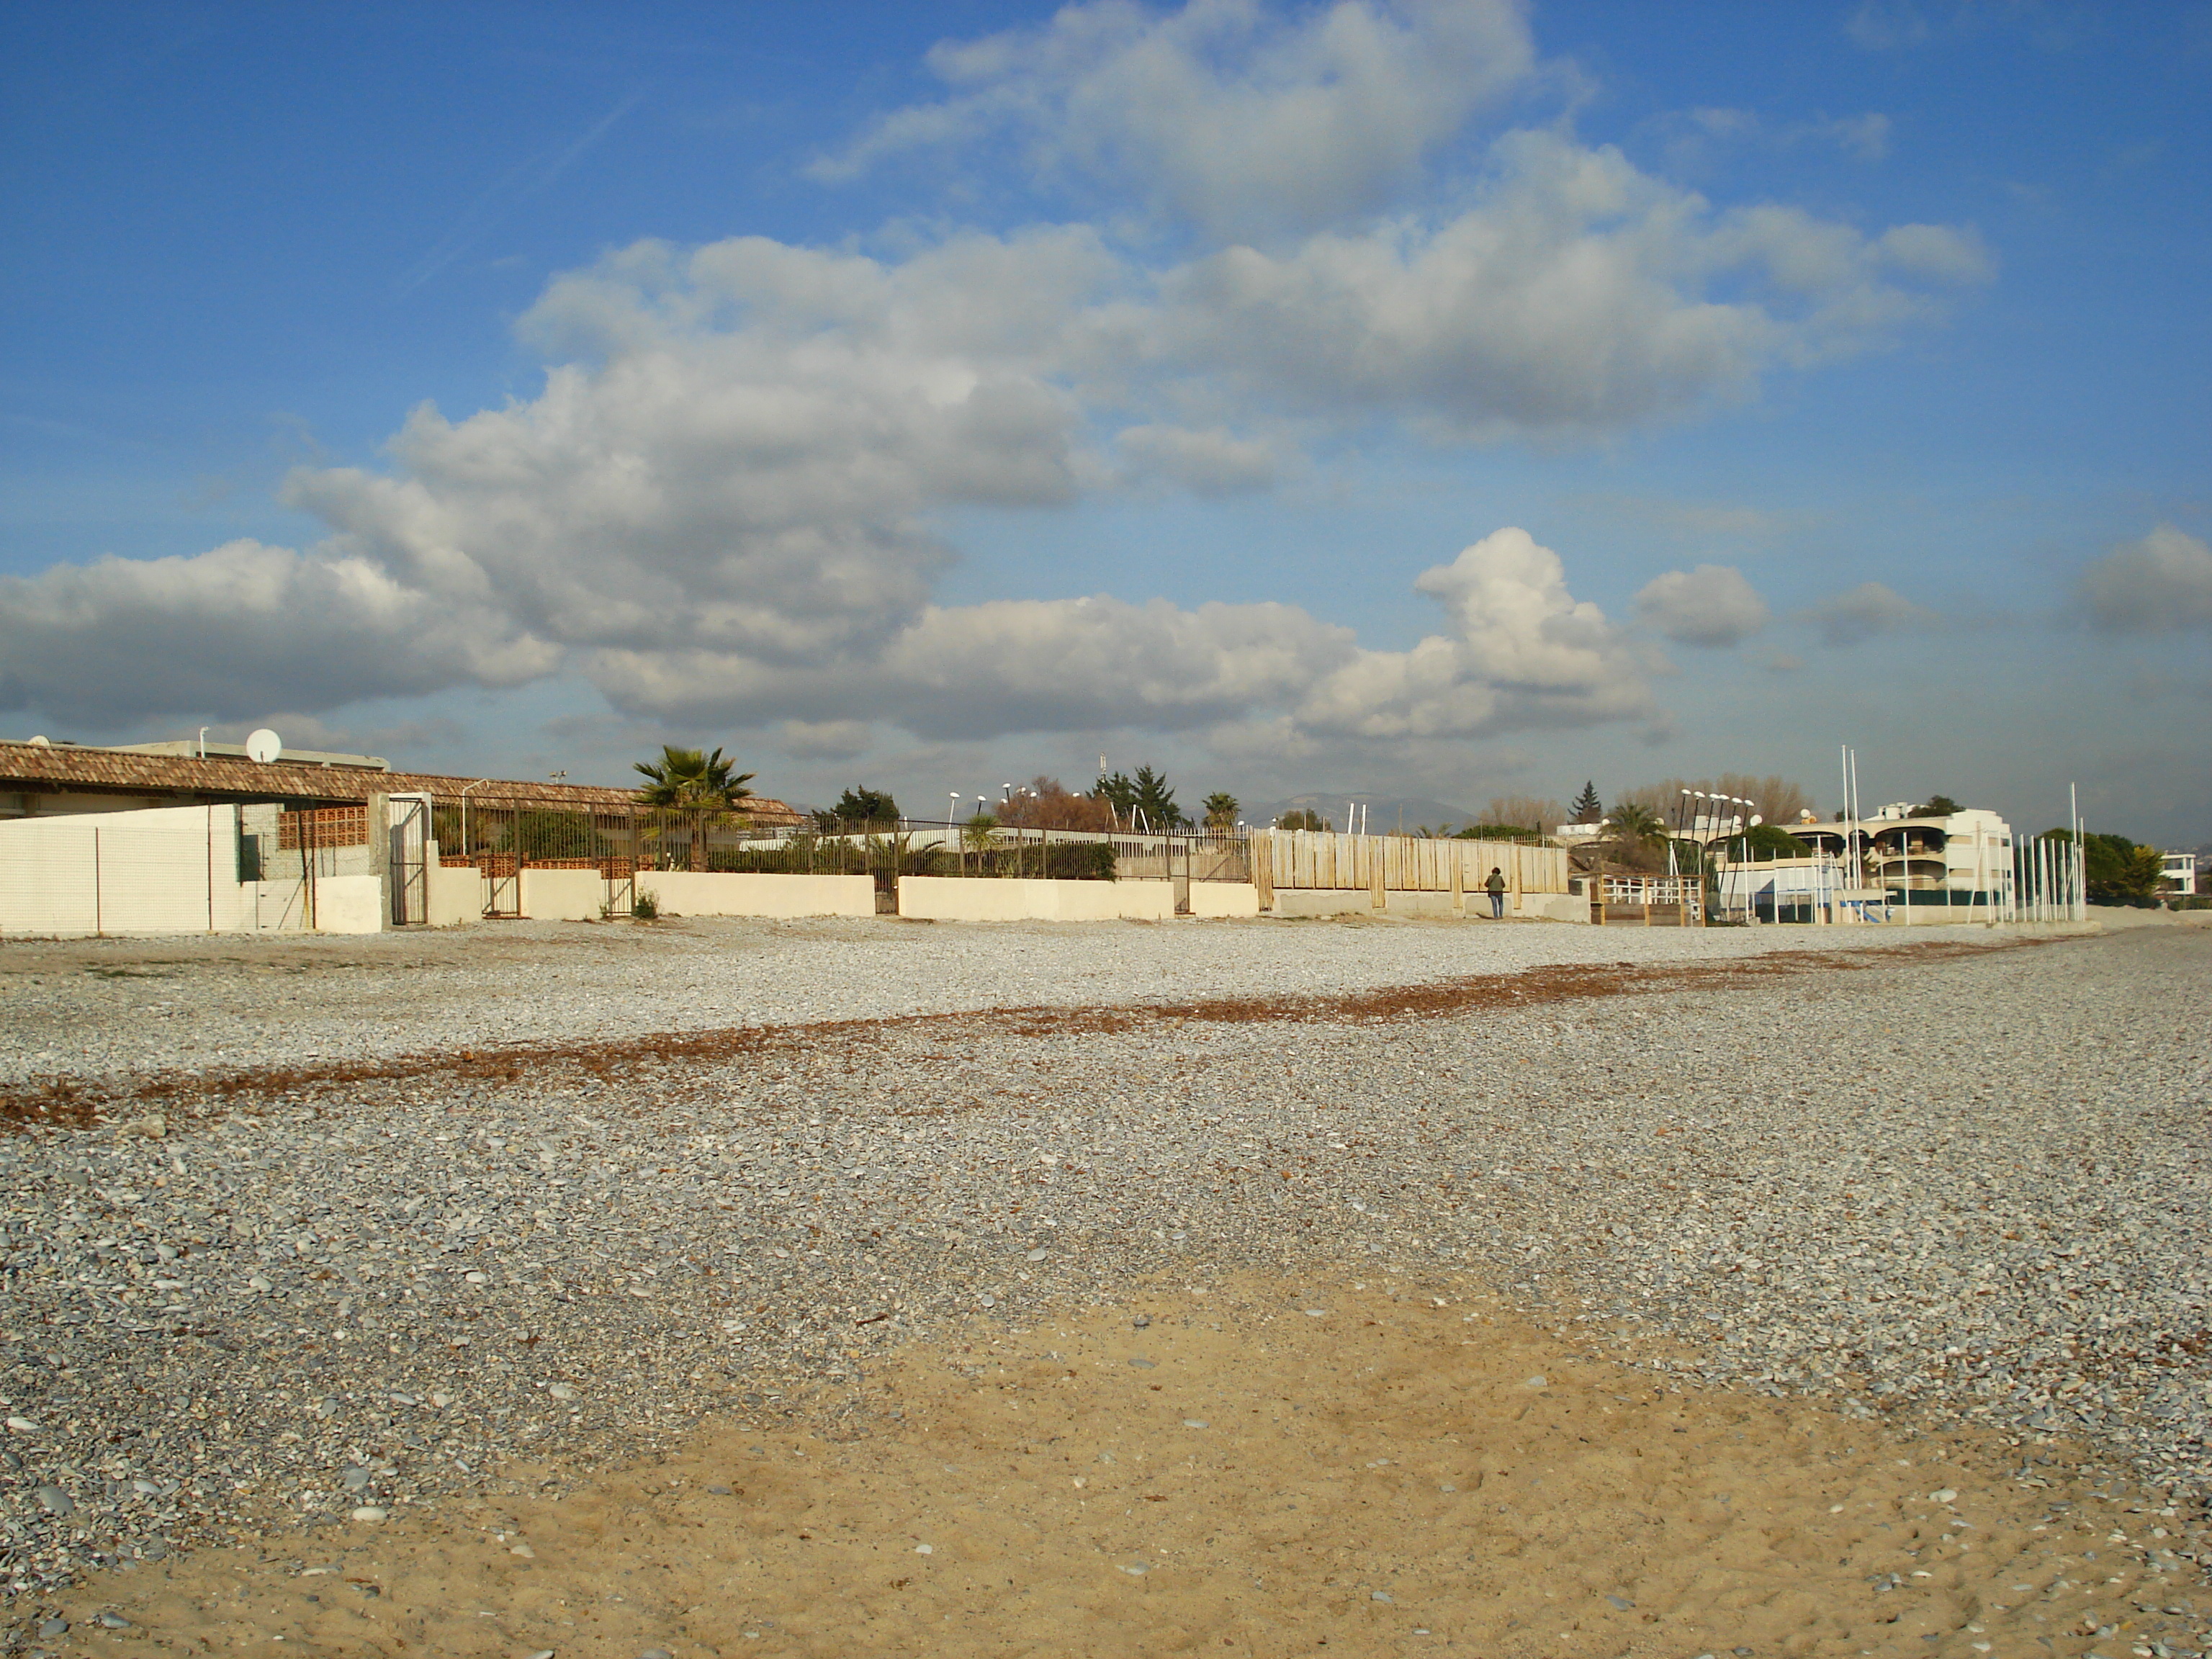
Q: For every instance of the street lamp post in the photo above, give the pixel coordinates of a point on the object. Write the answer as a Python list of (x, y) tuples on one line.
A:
[(478, 784)]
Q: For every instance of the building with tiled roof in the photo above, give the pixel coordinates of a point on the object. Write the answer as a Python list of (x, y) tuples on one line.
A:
[(41, 779)]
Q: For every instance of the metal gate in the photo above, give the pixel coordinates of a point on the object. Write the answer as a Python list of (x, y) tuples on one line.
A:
[(620, 875), (407, 871), (503, 874)]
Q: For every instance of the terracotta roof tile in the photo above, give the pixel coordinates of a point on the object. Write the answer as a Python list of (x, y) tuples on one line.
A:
[(65, 767)]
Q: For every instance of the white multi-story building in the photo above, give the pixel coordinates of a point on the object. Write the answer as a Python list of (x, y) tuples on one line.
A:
[(2180, 870), (1954, 868)]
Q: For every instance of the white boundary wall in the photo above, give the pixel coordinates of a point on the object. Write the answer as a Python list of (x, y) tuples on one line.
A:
[(707, 893), (972, 898), (169, 870), (563, 895), (350, 904), (1348, 902), (456, 896), (1221, 899)]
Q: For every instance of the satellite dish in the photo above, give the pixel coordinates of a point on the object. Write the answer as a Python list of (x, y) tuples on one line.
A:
[(264, 745)]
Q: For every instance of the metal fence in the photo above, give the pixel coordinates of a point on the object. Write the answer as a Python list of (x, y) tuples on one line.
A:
[(501, 839), (646, 839)]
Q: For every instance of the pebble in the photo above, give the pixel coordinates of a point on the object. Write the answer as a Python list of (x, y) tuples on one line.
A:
[(1991, 1222), (123, 1007)]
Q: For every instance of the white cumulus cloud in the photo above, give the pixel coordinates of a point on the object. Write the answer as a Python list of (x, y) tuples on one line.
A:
[(1237, 116), (2162, 583), (731, 499), (1712, 605), (1860, 613), (1577, 296), (1214, 462), (241, 628)]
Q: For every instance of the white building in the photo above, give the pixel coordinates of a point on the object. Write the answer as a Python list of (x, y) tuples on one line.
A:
[(1955, 868), (2179, 870)]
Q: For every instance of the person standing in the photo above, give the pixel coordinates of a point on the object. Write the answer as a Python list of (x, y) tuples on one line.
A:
[(1495, 886)]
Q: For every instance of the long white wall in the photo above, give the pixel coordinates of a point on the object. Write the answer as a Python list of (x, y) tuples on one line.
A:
[(708, 893), (170, 870), (1347, 902), (955, 898), (563, 895)]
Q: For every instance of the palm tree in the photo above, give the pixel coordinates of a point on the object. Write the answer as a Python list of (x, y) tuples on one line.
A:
[(697, 786), (1221, 810), (1633, 822)]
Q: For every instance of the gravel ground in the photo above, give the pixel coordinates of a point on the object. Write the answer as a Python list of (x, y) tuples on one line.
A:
[(1931, 1185), (110, 1007)]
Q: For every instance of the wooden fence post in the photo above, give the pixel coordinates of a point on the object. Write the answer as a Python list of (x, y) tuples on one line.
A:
[(1263, 866), (1458, 881), (1375, 847)]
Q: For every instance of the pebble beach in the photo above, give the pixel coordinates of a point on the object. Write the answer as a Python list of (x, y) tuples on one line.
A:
[(308, 1238)]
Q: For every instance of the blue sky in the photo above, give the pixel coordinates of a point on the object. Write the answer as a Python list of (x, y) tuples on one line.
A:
[(1452, 400)]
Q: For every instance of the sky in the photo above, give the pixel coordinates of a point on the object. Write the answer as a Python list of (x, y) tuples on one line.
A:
[(1446, 398)]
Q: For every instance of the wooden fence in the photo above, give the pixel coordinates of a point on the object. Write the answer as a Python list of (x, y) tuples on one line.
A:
[(1295, 858)]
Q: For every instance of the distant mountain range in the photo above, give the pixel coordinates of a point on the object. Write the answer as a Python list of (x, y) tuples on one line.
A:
[(1383, 812)]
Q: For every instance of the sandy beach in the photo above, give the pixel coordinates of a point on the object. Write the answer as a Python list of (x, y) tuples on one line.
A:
[(1393, 1465)]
